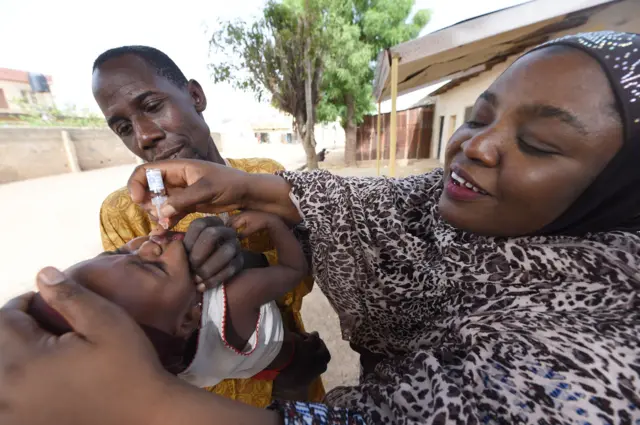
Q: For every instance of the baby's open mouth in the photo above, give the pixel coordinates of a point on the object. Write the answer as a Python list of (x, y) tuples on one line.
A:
[(168, 236)]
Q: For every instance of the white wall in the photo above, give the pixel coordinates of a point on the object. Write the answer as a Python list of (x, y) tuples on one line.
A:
[(453, 103), (624, 16)]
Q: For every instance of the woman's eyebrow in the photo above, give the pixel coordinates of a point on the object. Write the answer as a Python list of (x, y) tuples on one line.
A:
[(542, 111), (548, 111)]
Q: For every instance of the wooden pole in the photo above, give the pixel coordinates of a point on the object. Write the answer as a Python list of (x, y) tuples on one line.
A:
[(393, 128), (378, 142)]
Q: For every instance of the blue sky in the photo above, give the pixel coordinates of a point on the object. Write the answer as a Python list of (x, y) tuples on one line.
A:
[(63, 37)]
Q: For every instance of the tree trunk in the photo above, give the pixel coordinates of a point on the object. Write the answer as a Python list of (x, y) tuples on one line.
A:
[(309, 141), (350, 131)]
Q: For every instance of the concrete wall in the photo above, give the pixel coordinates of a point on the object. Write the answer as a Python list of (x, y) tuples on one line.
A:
[(27, 153), (624, 16)]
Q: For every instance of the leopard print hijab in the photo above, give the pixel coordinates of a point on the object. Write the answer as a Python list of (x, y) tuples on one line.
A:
[(472, 330), (476, 330)]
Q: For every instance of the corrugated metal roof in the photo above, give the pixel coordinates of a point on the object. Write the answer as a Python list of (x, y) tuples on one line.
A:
[(453, 52)]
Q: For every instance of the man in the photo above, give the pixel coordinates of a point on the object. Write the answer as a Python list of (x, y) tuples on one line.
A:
[(148, 102)]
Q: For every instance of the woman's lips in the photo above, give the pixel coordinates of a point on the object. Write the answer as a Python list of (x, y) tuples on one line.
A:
[(460, 193)]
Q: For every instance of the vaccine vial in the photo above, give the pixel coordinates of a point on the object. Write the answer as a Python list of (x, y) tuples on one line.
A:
[(158, 193)]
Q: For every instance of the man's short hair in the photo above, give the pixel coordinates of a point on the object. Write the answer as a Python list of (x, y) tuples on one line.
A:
[(159, 61)]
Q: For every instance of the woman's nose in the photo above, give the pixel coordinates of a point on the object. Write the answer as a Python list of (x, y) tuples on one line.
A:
[(483, 148)]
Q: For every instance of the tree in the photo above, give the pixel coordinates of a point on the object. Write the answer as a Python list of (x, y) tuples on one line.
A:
[(281, 56), (366, 27)]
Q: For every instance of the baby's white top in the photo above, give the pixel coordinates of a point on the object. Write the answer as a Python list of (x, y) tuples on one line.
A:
[(216, 360)]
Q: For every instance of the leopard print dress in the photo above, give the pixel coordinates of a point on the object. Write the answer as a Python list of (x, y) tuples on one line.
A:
[(472, 330)]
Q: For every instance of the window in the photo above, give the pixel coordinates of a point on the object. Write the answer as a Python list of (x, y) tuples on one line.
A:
[(452, 124), (3, 100), (467, 113), (440, 135), (29, 97)]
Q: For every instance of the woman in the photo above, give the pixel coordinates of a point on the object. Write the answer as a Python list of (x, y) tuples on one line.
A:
[(500, 290)]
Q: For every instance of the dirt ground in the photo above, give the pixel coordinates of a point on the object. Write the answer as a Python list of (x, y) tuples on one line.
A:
[(54, 221)]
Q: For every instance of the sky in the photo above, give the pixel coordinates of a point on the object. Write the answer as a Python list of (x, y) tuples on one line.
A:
[(62, 38)]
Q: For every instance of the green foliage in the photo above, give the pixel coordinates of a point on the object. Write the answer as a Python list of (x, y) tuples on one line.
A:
[(51, 116), (367, 27), (384, 23), (267, 57), (342, 38)]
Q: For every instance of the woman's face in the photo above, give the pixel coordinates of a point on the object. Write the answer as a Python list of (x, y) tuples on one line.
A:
[(150, 279), (535, 141)]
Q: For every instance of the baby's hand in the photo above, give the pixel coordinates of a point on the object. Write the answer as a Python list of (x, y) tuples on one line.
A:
[(214, 252), (250, 222)]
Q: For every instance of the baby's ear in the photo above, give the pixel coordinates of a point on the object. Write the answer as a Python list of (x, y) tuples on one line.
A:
[(190, 321)]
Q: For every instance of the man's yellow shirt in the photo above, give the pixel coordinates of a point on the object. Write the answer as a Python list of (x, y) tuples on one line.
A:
[(122, 220)]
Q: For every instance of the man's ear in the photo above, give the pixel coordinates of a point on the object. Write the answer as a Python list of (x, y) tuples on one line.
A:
[(190, 321), (197, 96)]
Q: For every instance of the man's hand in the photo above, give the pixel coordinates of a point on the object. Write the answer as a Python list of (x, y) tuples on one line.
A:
[(45, 378), (214, 252)]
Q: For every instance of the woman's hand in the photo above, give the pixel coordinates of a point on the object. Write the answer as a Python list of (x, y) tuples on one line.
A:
[(79, 377), (207, 187), (191, 186)]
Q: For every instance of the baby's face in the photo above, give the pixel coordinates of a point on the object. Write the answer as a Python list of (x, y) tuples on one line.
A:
[(152, 283)]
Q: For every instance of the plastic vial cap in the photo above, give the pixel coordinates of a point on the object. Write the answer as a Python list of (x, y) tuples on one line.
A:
[(154, 179)]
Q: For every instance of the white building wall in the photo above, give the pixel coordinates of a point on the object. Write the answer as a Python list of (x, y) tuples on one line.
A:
[(451, 106), (624, 16)]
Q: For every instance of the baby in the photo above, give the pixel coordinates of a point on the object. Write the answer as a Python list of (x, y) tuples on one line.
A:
[(232, 331)]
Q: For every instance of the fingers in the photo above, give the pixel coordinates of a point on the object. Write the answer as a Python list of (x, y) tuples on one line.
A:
[(248, 223), (197, 227), (228, 271), (17, 329), (173, 172), (219, 240), (90, 315), (200, 192), (20, 302), (137, 184)]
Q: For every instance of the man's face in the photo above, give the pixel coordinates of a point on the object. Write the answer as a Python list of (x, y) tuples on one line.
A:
[(154, 117)]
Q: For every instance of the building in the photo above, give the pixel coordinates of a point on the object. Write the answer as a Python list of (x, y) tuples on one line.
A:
[(18, 88), (470, 55)]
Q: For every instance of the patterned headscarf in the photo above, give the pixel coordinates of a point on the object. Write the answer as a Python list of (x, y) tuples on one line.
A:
[(612, 201)]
